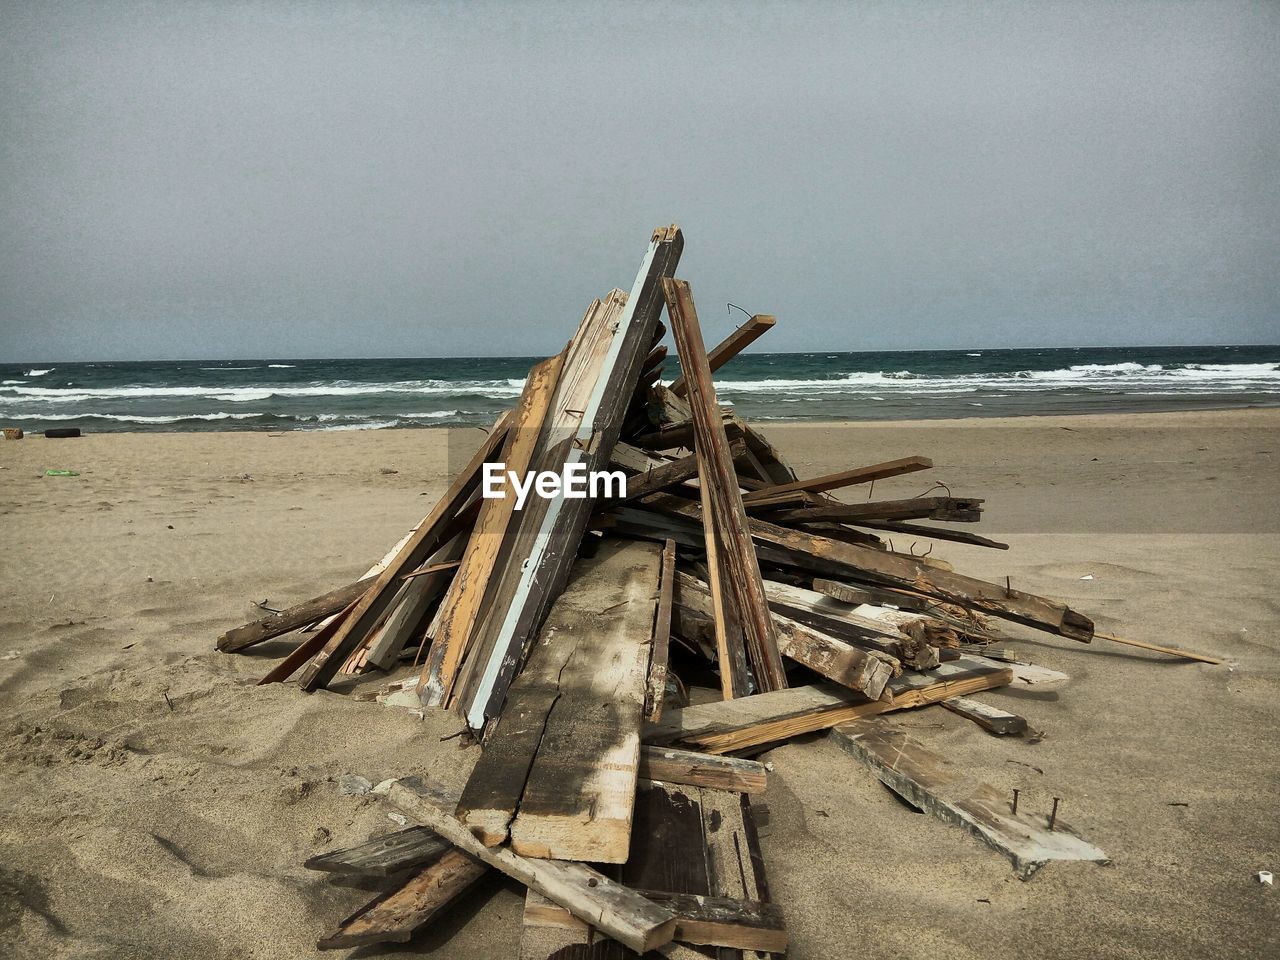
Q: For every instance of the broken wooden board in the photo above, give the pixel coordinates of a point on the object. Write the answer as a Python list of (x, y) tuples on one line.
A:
[(730, 347), (656, 686), (730, 725), (669, 765), (953, 509), (558, 773), (989, 718), (586, 893), (394, 917), (383, 856), (299, 615), (930, 783)]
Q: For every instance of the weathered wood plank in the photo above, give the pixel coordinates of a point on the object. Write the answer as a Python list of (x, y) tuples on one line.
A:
[(989, 718), (299, 615), (719, 478), (954, 509), (656, 686), (586, 893), (845, 478), (394, 917), (702, 769), (731, 725), (925, 532), (730, 347), (579, 799), (383, 856), (930, 783)]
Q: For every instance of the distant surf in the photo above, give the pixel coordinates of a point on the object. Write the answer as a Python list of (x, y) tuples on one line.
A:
[(373, 394)]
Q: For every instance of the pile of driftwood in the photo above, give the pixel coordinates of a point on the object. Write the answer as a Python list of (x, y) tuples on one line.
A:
[(621, 657)]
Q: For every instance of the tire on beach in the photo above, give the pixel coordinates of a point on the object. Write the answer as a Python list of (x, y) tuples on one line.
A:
[(62, 433)]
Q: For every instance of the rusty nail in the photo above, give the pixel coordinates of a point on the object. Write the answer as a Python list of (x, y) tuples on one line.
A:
[(1016, 791), (1053, 814)]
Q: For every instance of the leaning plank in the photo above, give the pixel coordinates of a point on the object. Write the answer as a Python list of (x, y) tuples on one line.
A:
[(930, 783), (671, 473), (731, 725), (565, 752), (586, 893), (294, 617), (727, 515), (308, 648), (680, 435), (1171, 651), (579, 799), (845, 478), (394, 917), (989, 718), (589, 432), (702, 769), (419, 591), (371, 607), (926, 532), (729, 347), (463, 604), (656, 686), (735, 864), (383, 856)]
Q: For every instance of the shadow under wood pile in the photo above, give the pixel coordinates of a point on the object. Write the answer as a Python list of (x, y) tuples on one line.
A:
[(568, 634)]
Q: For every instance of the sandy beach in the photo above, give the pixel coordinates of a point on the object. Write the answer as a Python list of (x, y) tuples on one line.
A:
[(158, 804)]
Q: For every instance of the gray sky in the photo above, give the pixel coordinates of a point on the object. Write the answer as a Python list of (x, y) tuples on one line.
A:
[(272, 179)]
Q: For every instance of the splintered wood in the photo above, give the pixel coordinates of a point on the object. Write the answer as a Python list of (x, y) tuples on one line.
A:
[(619, 657)]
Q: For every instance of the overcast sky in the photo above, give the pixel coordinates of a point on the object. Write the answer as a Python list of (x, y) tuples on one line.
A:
[(313, 179)]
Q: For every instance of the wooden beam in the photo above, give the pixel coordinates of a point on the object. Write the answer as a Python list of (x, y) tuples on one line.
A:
[(929, 782), (308, 648), (845, 478), (730, 347), (680, 435), (299, 615), (931, 533), (670, 765), (656, 686), (608, 906), (731, 725), (719, 478), (671, 473), (396, 916)]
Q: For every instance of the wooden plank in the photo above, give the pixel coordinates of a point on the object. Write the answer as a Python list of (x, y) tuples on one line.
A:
[(989, 718), (463, 605), (373, 604), (730, 347), (855, 596), (659, 654), (562, 760), (719, 478), (845, 478), (731, 653), (930, 783), (586, 893), (735, 865), (538, 574), (955, 509), (680, 435), (394, 917), (833, 658), (1171, 651), (420, 590), (383, 856), (925, 532), (299, 615), (702, 769), (579, 799), (731, 725), (671, 473)]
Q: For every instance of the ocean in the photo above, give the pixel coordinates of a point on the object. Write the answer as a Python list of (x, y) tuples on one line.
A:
[(280, 395)]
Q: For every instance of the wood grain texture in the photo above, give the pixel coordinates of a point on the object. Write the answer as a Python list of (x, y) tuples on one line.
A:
[(383, 856)]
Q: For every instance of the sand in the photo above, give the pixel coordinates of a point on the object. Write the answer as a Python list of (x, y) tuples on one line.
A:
[(157, 804)]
